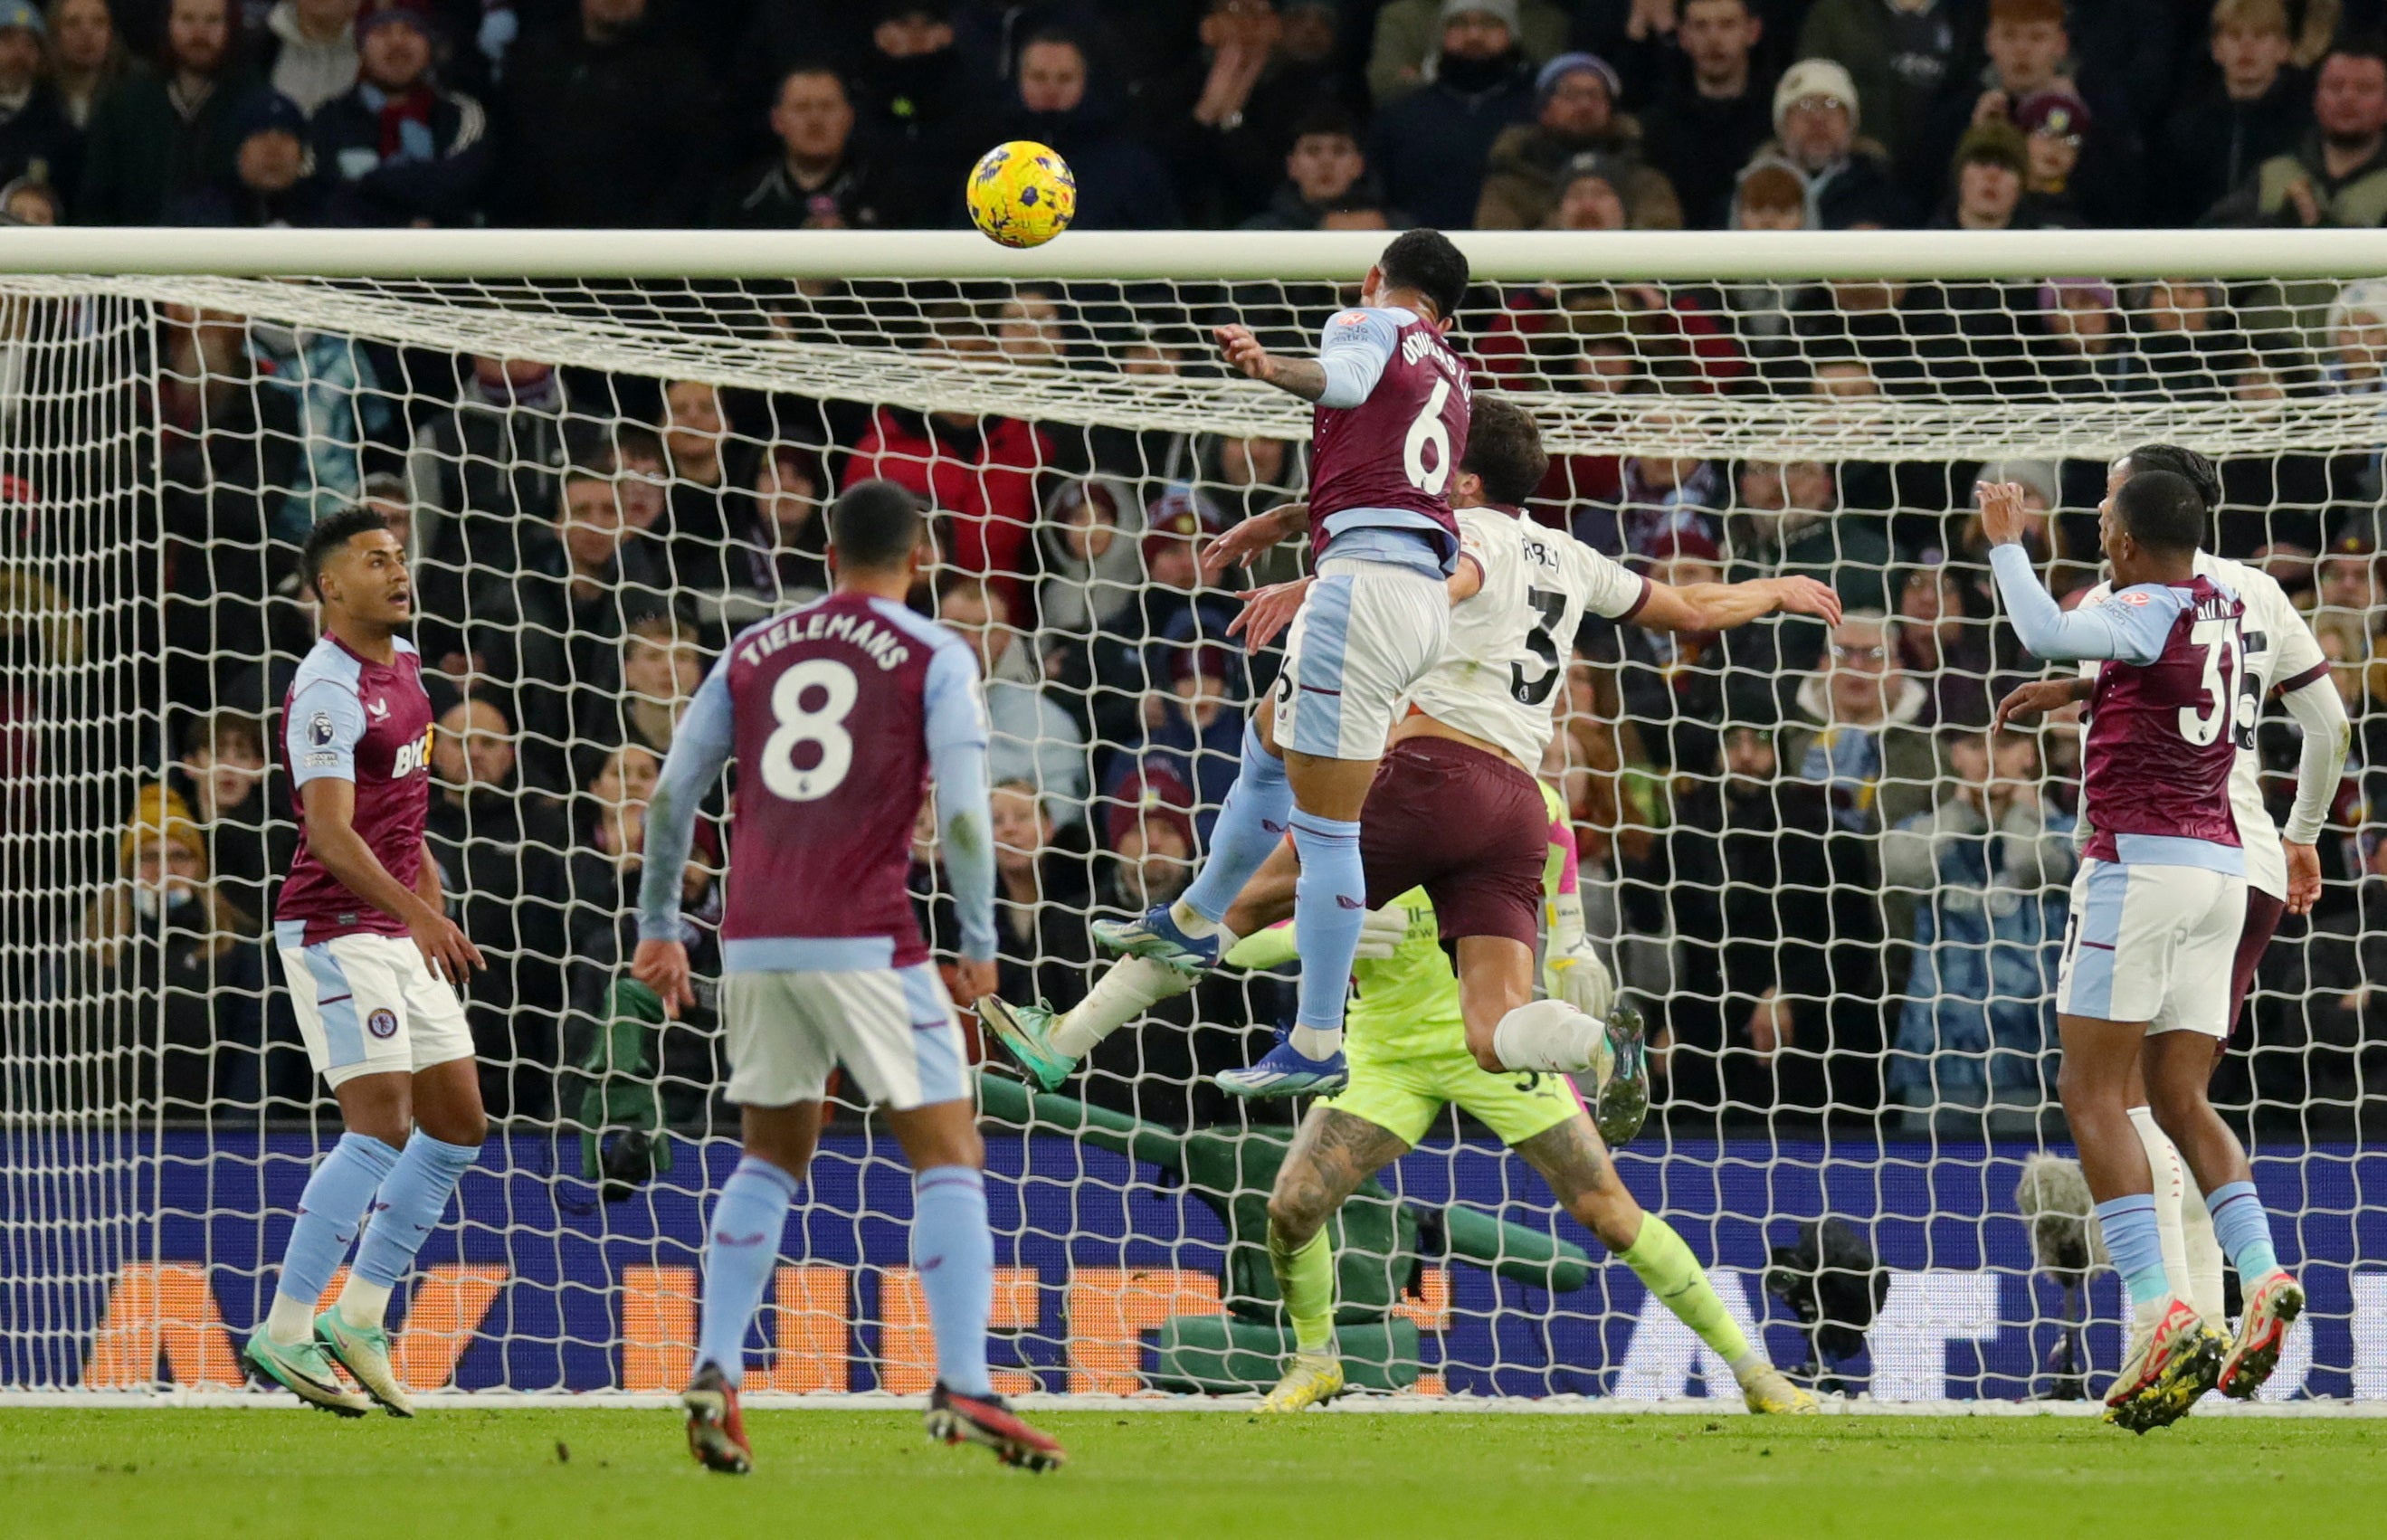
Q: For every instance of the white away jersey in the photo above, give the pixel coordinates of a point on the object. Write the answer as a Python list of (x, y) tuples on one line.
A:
[(1500, 675), (2280, 652)]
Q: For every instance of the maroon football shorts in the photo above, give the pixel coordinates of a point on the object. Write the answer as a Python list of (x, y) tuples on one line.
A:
[(1467, 827), (2263, 913)]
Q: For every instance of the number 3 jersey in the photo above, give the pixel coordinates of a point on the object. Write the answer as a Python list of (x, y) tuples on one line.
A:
[(835, 713), (1501, 675), (2163, 735), (2279, 651)]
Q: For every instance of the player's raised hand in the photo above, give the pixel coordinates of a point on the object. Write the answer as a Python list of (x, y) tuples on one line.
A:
[(1241, 545), (1267, 612), (2303, 876), (2027, 701), (445, 947), (1805, 596), (1243, 351), (662, 968), (2003, 517)]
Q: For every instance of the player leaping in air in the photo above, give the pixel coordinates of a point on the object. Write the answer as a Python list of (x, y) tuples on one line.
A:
[(372, 960), (2282, 866), (836, 714), (1456, 811), (2159, 910), (1391, 424)]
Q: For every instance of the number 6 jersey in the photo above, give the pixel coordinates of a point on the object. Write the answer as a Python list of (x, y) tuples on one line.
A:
[(835, 713), (1504, 671)]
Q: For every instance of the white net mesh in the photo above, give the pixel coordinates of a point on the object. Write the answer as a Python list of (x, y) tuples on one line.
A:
[(1844, 937)]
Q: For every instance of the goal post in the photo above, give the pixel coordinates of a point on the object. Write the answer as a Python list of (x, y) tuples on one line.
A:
[(1837, 901)]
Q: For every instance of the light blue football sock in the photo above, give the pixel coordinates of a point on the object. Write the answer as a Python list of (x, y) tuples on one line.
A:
[(329, 1211), (953, 1252), (2134, 1242), (1250, 823), (2244, 1229), (741, 1252), (1329, 904), (407, 1207)]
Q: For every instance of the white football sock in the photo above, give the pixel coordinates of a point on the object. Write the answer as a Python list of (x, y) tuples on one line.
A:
[(289, 1320), (2170, 1178), (2203, 1253), (1553, 1037), (362, 1303), (1315, 1042), (1126, 989)]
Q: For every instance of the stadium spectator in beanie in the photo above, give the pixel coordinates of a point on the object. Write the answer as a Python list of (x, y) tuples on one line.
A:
[(1896, 54), (1196, 729), (408, 149), (1816, 116), (87, 57), (308, 50), (605, 123), (1591, 196), (2338, 175), (1431, 147), (816, 180), (168, 131), (1985, 184), (2055, 126), (275, 180), (35, 138), (1148, 824), (1407, 50), (1575, 114), (922, 111), (2258, 104), (1325, 170), (1713, 108)]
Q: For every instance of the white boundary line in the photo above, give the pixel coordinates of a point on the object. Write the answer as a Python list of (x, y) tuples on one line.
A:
[(1358, 1403), (1183, 254)]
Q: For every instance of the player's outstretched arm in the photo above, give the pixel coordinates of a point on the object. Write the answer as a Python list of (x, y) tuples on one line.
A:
[(1351, 359), (957, 739), (1723, 606), (2025, 702), (1242, 545), (2320, 768), (698, 752), (2132, 631)]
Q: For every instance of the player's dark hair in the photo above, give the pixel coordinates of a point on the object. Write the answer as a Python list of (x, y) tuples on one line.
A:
[(874, 524), (2162, 512), (2181, 462), (1504, 447), (1427, 261), (328, 538)]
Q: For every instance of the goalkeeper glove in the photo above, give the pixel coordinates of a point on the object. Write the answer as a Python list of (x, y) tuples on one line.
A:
[(1580, 979), (1382, 931), (621, 1095)]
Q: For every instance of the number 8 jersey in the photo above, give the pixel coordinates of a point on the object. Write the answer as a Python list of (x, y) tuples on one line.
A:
[(1503, 674), (835, 711)]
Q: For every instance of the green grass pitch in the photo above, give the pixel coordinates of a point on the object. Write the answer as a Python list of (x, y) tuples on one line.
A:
[(596, 1473)]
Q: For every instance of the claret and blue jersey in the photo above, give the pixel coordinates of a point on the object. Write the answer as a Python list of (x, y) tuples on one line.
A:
[(1386, 437)]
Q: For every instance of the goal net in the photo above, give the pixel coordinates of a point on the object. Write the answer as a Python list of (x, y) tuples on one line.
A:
[(1837, 899)]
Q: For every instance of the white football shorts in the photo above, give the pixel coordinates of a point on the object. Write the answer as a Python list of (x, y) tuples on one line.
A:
[(2154, 944), (1365, 634), (893, 1028), (370, 1005)]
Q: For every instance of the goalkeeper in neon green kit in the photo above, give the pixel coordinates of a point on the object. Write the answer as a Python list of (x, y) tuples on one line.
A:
[(1407, 1043)]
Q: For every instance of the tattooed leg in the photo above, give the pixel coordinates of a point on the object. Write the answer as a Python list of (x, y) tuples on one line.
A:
[(1573, 1161), (1331, 1154)]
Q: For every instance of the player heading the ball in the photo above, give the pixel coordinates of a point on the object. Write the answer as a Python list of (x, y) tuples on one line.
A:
[(837, 713), (372, 962), (2158, 910), (1391, 422)]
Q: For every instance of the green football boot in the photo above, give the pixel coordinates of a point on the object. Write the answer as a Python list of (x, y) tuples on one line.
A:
[(363, 1351), (302, 1367)]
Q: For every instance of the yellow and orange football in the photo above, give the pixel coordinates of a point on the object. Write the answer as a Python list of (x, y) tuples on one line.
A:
[(1022, 194)]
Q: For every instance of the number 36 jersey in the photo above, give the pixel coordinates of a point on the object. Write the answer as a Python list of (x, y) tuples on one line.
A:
[(1503, 674), (836, 709)]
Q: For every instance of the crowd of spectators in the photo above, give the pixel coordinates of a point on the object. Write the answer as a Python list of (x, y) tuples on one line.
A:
[(1835, 890), (1271, 114)]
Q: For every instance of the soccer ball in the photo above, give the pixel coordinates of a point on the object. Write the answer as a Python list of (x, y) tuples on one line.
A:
[(1022, 194)]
